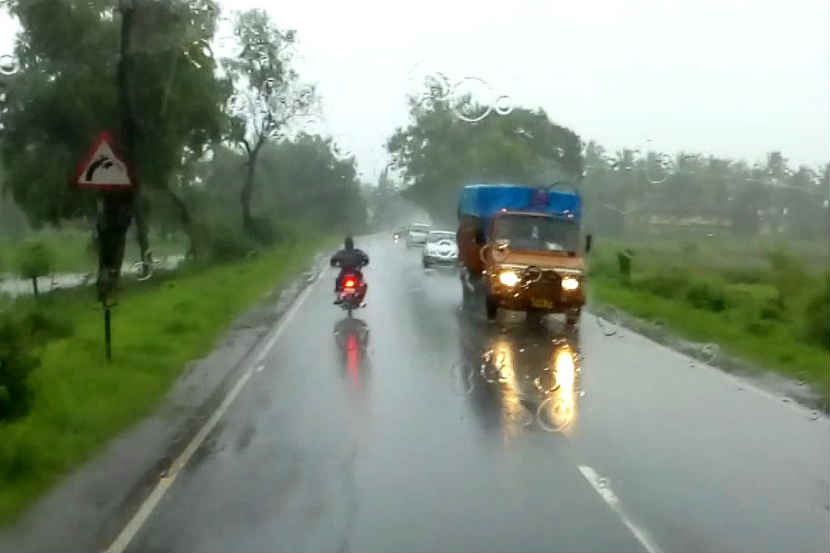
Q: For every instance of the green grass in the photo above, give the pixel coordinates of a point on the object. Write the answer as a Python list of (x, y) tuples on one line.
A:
[(80, 401), (72, 253), (736, 295)]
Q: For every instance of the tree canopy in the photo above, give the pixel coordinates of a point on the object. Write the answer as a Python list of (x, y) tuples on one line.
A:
[(438, 152), (65, 93)]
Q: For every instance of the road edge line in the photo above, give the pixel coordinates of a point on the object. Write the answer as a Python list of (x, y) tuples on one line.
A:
[(136, 522), (611, 499)]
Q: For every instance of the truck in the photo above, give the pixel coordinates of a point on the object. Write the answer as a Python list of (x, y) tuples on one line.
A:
[(521, 248)]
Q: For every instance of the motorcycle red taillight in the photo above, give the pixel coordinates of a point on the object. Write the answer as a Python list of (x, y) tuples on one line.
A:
[(349, 283)]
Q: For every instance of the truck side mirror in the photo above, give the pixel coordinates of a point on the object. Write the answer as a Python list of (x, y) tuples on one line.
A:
[(588, 240)]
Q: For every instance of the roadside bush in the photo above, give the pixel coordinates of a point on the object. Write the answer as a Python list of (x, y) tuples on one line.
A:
[(219, 241), (664, 285), (264, 230), (285, 232), (624, 263), (760, 328), (707, 295), (773, 310), (818, 317), (15, 365), (743, 276), (38, 326), (689, 248), (789, 277), (228, 244), (35, 260), (601, 266)]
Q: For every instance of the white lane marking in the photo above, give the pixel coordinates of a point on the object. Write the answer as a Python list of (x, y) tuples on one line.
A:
[(286, 319), (601, 486), (151, 502)]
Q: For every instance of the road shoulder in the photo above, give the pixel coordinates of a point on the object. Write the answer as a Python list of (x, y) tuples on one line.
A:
[(88, 508)]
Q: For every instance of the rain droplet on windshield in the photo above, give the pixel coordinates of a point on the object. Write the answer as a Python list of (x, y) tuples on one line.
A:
[(504, 105), (471, 99), (8, 64)]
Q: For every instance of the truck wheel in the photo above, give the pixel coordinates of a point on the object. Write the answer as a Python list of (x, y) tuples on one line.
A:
[(425, 264), (492, 307), (572, 317)]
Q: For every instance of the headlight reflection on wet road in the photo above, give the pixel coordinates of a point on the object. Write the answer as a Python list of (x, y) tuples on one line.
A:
[(533, 377)]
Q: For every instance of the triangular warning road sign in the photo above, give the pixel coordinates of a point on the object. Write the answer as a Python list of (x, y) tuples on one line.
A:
[(103, 169)]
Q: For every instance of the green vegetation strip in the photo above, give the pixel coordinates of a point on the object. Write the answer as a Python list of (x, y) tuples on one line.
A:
[(80, 401), (767, 308), (72, 251)]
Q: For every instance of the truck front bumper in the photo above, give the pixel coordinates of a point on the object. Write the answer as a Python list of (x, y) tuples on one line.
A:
[(542, 297)]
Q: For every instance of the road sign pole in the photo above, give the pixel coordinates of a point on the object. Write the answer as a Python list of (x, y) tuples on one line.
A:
[(108, 333)]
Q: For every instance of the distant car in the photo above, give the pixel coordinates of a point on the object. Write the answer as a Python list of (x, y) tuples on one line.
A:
[(417, 234), (440, 249)]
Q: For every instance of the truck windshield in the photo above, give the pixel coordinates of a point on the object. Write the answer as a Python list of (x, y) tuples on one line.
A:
[(534, 232)]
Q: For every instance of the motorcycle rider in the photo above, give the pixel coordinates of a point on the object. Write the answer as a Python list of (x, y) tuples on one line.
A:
[(349, 259)]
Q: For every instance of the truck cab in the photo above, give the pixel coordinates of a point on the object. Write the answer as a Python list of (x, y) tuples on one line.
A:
[(522, 250)]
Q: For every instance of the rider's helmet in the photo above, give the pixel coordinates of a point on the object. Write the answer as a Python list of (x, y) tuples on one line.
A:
[(349, 243)]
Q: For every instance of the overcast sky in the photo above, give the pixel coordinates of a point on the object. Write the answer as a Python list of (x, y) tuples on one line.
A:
[(733, 78)]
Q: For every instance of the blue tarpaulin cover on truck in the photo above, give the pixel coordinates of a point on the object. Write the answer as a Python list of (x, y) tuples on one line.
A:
[(484, 200)]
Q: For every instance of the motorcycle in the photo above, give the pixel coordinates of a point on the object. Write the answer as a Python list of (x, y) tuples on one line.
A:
[(352, 291)]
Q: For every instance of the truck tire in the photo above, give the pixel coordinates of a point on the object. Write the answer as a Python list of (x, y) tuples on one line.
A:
[(492, 307)]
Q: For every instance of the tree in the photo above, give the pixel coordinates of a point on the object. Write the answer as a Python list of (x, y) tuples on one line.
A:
[(268, 95), (439, 152), (310, 179), (163, 123), (35, 260)]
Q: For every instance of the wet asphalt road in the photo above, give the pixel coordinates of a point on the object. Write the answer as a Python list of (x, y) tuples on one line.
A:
[(449, 434)]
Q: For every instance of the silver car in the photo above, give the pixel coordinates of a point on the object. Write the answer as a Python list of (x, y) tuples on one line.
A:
[(440, 249), (417, 235)]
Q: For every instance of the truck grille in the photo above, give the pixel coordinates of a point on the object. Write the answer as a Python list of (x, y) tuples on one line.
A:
[(547, 287)]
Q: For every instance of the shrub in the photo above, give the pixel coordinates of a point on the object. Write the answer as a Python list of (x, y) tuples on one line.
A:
[(744, 276), (227, 244), (773, 310), (789, 277), (263, 230), (15, 365), (35, 260), (39, 327), (707, 295), (818, 317), (219, 241), (285, 232), (664, 285), (760, 328), (624, 263), (689, 248)]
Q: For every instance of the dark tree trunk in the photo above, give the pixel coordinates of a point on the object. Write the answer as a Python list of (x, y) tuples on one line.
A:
[(117, 207), (34, 285), (248, 190), (185, 218), (245, 196), (141, 212)]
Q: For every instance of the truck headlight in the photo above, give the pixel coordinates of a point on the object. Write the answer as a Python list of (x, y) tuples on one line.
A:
[(570, 283), (509, 278)]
